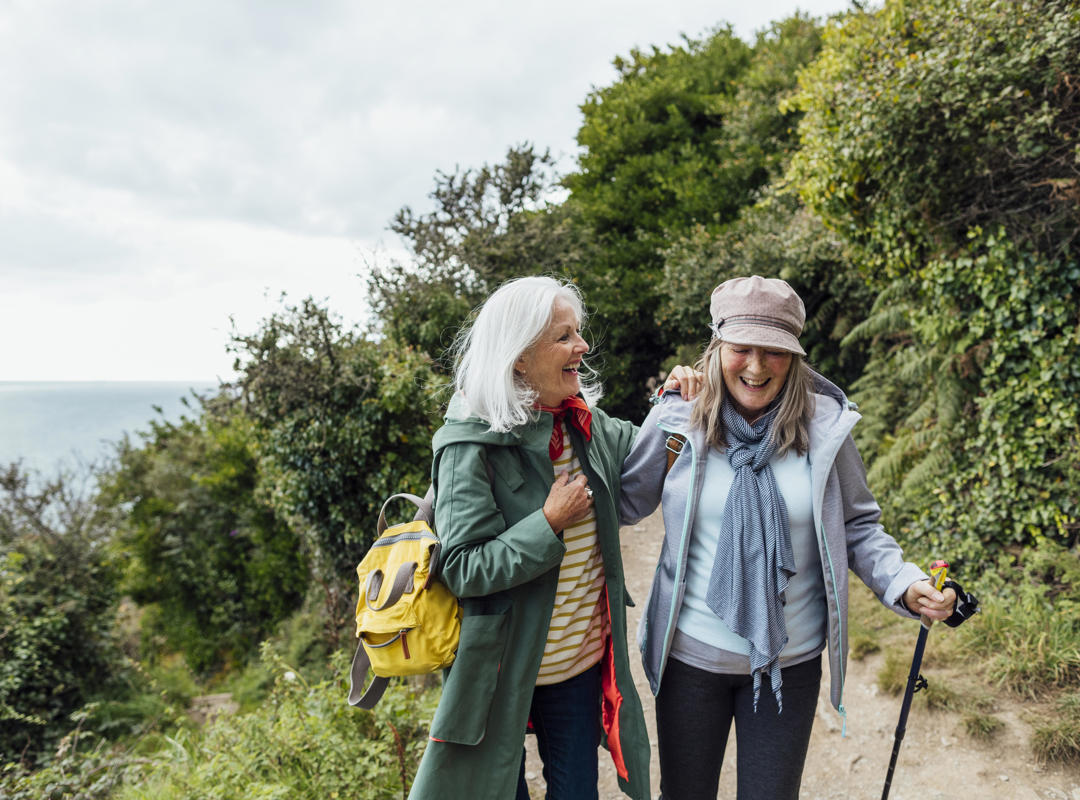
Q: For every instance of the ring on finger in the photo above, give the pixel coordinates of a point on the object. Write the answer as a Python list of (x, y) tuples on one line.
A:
[(588, 492)]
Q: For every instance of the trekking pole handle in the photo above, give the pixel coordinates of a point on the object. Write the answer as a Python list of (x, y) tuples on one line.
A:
[(938, 571)]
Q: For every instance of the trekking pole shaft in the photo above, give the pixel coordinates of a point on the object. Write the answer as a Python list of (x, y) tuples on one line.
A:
[(905, 707), (892, 766), (937, 579)]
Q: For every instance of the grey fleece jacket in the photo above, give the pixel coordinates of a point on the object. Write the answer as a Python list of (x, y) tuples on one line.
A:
[(846, 521)]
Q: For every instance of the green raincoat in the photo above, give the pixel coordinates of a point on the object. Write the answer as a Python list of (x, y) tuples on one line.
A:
[(502, 559)]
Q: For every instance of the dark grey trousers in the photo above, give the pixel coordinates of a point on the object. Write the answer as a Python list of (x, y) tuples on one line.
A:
[(694, 710)]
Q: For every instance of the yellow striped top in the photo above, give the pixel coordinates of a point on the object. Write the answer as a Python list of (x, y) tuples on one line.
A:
[(579, 624)]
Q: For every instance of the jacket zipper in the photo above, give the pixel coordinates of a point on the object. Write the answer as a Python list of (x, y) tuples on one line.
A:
[(404, 537), (839, 630), (836, 599)]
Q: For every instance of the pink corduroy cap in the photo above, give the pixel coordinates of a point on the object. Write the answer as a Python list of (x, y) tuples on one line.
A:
[(756, 311)]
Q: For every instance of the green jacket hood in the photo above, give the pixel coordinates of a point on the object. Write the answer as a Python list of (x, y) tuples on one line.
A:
[(459, 426)]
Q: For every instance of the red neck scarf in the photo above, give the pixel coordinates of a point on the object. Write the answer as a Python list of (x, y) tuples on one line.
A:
[(576, 413)]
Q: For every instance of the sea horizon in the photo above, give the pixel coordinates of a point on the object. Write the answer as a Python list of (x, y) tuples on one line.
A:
[(53, 426)]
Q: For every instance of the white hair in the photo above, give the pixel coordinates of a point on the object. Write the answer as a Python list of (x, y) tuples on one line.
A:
[(507, 325)]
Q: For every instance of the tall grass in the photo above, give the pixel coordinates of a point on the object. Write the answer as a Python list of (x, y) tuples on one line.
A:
[(1059, 740), (303, 743), (1027, 637)]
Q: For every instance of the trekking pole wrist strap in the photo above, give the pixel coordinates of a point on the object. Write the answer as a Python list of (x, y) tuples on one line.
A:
[(967, 604)]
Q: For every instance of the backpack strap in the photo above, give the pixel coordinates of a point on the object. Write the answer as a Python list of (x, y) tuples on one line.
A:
[(426, 505), (357, 673), (425, 512), (674, 446)]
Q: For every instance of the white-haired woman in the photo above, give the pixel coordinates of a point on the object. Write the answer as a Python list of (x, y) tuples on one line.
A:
[(526, 474), (765, 510)]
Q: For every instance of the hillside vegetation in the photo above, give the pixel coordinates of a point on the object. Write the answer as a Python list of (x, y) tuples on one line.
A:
[(913, 171)]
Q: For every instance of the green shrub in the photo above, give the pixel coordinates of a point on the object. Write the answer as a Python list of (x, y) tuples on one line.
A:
[(92, 769), (216, 568), (58, 602), (304, 743), (988, 455), (928, 118), (298, 640), (343, 422)]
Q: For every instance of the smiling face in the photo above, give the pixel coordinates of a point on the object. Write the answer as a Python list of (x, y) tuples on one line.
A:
[(753, 376), (550, 366)]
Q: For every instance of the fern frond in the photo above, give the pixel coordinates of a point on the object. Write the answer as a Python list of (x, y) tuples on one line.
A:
[(891, 463), (890, 321), (918, 364), (928, 470)]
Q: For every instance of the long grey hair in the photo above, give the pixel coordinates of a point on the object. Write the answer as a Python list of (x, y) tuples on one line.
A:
[(507, 325)]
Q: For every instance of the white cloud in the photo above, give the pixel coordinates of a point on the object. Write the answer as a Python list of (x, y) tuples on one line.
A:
[(165, 164), (170, 319)]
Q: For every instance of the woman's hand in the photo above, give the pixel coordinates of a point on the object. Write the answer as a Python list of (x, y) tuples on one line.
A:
[(687, 380), (568, 501), (923, 599)]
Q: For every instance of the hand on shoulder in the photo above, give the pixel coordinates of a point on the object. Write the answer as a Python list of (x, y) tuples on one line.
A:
[(686, 380)]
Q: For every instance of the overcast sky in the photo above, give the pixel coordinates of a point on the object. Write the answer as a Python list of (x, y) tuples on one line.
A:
[(167, 165)]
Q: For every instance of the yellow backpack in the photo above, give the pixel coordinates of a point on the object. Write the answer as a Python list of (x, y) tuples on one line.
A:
[(407, 621)]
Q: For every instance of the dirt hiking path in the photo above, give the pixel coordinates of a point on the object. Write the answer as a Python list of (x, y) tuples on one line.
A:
[(937, 760)]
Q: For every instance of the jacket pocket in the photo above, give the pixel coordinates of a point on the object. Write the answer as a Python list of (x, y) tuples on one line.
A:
[(470, 683)]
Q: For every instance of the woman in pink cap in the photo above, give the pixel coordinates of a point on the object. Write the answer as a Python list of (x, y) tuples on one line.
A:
[(765, 510)]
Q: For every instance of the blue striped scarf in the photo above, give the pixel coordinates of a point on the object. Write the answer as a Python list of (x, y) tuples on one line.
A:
[(754, 559)]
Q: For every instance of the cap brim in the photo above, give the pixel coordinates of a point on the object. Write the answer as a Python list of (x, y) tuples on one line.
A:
[(757, 336)]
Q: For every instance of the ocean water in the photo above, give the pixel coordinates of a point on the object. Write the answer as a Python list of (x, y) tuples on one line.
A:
[(54, 425)]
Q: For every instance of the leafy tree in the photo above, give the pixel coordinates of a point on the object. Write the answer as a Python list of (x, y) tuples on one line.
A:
[(654, 163), (760, 125), (678, 144), (939, 141), (343, 422), (655, 156), (488, 225), (57, 609), (217, 568), (683, 138), (932, 118), (776, 238)]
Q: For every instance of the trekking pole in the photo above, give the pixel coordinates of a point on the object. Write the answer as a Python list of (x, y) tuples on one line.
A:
[(915, 681)]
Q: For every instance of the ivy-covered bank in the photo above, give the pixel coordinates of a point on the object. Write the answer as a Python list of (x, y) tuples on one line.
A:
[(939, 140)]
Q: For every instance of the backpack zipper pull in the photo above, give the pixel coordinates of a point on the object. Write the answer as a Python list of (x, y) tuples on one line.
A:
[(405, 644)]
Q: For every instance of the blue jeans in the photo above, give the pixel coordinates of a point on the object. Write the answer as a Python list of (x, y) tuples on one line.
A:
[(566, 718)]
